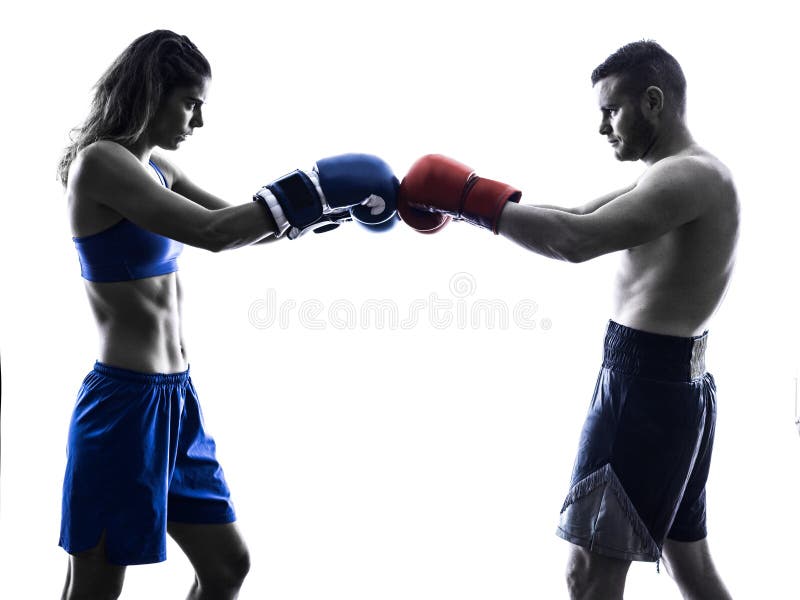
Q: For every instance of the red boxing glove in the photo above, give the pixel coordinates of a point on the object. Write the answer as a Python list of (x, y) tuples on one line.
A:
[(438, 188)]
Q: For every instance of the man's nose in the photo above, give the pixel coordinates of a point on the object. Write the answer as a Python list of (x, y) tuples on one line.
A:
[(197, 118), (605, 127)]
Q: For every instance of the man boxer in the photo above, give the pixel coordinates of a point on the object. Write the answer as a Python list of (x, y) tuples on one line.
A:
[(638, 484)]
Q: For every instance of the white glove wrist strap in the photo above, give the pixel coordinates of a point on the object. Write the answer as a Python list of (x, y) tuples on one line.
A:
[(274, 207)]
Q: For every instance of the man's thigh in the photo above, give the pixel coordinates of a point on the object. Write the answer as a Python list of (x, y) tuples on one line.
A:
[(691, 566), (687, 560), (592, 575)]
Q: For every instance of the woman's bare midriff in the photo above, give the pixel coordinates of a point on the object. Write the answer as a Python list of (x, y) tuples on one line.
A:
[(139, 323)]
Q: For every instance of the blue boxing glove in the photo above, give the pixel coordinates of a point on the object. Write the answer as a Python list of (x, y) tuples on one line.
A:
[(358, 187)]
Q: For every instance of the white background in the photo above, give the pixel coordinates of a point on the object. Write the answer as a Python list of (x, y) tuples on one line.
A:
[(425, 462)]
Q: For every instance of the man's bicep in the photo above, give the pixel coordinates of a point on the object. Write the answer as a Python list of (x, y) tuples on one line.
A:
[(590, 207), (653, 207)]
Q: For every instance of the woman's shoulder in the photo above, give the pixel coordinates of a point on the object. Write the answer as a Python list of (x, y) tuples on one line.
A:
[(97, 157), (90, 183), (100, 149), (101, 160)]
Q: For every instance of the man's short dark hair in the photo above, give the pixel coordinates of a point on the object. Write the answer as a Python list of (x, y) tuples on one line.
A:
[(642, 64)]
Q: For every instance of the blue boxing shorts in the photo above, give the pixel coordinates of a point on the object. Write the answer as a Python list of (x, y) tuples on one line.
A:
[(137, 457), (645, 448)]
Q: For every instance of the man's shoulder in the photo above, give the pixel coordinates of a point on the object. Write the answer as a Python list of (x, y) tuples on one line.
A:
[(694, 170), (693, 161)]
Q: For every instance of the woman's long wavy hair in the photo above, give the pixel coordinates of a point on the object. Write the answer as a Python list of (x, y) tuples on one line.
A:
[(130, 92)]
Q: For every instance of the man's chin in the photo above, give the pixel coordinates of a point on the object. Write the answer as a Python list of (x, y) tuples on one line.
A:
[(622, 156)]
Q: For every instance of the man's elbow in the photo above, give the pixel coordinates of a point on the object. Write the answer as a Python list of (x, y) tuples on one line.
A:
[(573, 256), (574, 250)]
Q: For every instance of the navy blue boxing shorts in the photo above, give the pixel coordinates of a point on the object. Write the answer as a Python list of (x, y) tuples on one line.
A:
[(645, 448), (137, 457)]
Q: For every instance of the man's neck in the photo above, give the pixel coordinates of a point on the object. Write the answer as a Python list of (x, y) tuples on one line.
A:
[(673, 138)]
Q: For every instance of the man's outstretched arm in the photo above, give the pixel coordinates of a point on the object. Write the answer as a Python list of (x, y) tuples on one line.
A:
[(669, 195)]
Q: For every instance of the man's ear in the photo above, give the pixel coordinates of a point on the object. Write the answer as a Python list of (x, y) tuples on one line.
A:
[(653, 100)]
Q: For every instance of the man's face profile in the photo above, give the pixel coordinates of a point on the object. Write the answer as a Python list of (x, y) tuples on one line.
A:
[(623, 122)]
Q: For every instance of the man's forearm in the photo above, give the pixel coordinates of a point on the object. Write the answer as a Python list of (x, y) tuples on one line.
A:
[(559, 232), (551, 232)]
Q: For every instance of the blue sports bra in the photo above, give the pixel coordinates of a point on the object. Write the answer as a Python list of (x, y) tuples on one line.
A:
[(125, 251)]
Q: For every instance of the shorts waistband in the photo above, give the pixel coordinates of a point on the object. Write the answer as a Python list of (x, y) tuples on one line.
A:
[(143, 378), (654, 355)]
